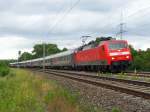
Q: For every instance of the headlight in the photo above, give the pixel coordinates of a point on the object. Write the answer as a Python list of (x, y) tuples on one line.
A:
[(127, 57), (112, 58)]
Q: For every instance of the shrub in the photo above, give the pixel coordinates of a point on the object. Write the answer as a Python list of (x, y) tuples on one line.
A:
[(4, 69)]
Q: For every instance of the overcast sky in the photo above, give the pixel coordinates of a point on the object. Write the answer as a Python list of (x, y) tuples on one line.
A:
[(24, 23)]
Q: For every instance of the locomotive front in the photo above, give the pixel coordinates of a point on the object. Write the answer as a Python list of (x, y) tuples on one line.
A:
[(119, 55)]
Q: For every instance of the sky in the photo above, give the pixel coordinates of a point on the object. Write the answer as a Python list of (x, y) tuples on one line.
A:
[(24, 23)]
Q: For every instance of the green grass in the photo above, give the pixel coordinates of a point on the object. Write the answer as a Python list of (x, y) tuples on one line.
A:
[(21, 91), (116, 110), (121, 76), (147, 79)]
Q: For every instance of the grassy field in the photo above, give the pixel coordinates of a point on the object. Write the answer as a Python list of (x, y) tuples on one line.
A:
[(21, 91)]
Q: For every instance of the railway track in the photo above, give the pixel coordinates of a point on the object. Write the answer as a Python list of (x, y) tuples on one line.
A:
[(136, 88), (139, 74)]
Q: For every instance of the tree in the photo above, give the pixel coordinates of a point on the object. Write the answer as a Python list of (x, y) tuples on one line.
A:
[(99, 39), (64, 49), (141, 59), (133, 51), (25, 56), (49, 50), (38, 51), (7, 61)]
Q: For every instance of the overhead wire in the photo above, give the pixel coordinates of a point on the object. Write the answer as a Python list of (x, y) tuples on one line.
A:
[(58, 13), (128, 17), (134, 14), (74, 5), (137, 12), (62, 18)]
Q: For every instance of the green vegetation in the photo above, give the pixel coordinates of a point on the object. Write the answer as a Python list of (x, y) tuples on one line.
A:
[(116, 110), (147, 79), (4, 69), (122, 76), (6, 62), (25, 92), (141, 60), (38, 51)]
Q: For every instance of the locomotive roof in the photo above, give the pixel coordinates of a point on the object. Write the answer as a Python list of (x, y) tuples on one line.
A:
[(117, 41), (103, 42)]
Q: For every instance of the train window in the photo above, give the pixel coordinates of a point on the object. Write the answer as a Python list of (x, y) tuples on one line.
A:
[(114, 46)]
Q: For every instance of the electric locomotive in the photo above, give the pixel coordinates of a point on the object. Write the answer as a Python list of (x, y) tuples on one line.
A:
[(108, 55)]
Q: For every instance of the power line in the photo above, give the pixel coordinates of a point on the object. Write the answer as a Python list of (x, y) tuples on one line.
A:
[(106, 25), (44, 43), (56, 16), (137, 12), (52, 28), (122, 23), (65, 14)]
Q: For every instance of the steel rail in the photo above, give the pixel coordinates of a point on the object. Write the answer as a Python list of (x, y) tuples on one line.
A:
[(122, 89), (148, 73), (138, 74), (135, 82)]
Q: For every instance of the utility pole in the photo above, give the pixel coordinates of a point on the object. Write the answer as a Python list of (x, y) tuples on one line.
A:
[(44, 44), (24, 59), (121, 27), (121, 30), (19, 54), (84, 38)]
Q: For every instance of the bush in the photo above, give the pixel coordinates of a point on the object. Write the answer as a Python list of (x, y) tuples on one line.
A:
[(4, 69)]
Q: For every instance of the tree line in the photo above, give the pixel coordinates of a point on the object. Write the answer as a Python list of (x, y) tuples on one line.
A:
[(38, 51), (141, 59)]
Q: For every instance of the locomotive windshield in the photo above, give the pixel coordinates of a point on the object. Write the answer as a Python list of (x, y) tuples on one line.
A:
[(115, 46)]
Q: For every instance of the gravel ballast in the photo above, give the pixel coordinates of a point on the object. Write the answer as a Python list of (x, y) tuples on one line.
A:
[(101, 97)]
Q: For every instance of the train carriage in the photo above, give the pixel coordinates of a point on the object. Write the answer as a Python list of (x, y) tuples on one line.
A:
[(64, 59)]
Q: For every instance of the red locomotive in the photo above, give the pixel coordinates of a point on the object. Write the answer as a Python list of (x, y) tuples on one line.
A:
[(106, 55), (111, 55)]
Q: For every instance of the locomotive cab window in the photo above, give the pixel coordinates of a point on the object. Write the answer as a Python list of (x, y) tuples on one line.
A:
[(114, 46)]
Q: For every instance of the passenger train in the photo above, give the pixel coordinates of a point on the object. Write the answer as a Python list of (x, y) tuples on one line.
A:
[(108, 55)]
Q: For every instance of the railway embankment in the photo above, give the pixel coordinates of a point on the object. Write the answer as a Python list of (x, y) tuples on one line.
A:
[(103, 97)]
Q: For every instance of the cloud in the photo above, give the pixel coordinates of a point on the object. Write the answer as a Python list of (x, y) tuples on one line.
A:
[(24, 23), (10, 45)]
